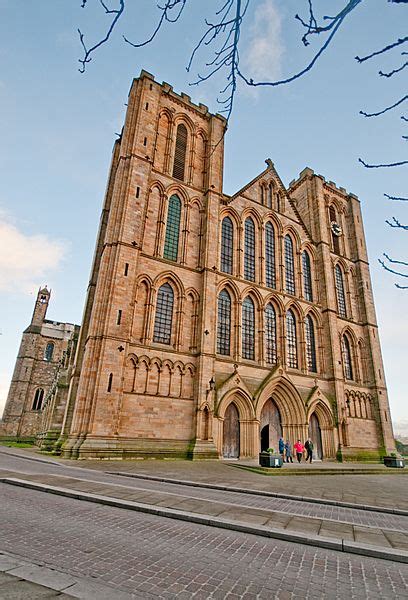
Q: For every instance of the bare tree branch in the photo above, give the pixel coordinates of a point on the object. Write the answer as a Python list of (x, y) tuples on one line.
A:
[(381, 166), (381, 112), (396, 198)]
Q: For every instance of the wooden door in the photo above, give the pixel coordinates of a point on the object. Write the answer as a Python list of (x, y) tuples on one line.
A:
[(270, 419), (231, 432), (316, 436)]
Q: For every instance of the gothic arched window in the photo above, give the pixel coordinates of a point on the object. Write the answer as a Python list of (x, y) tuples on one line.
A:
[(310, 345), (289, 266), (341, 297), (347, 359), (164, 314), (224, 323), (270, 274), (307, 276), (180, 152), (171, 241), (227, 245), (48, 352), (291, 341), (38, 399), (248, 329), (249, 251), (271, 351)]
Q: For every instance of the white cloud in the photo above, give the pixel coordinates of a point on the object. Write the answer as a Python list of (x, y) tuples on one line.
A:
[(25, 259), (265, 48)]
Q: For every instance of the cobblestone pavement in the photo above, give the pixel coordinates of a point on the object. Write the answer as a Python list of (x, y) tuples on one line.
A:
[(313, 519), (377, 490), (155, 557)]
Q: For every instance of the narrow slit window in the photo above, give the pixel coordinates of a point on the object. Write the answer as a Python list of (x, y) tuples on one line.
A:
[(310, 345), (248, 329), (347, 359), (164, 314), (341, 297), (289, 266), (307, 277), (227, 245), (291, 340), (172, 229), (126, 271), (110, 379), (249, 253), (38, 399), (271, 353), (180, 152), (48, 352), (119, 317), (270, 274), (224, 323)]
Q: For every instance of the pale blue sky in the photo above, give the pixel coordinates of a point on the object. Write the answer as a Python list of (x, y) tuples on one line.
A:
[(57, 128)]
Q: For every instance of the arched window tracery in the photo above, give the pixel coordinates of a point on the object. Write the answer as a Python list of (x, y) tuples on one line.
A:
[(307, 276), (270, 270), (310, 345), (180, 152), (291, 340), (164, 314), (289, 266), (171, 241), (248, 329), (271, 350), (227, 245), (224, 323), (249, 250), (341, 297)]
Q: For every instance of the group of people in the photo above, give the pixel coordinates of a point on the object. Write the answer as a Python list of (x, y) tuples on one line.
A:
[(285, 450)]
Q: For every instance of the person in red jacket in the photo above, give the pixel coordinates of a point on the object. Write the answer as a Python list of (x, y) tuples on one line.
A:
[(299, 449)]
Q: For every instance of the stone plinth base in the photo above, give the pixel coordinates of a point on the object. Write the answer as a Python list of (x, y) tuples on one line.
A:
[(204, 449), (374, 455), (126, 448)]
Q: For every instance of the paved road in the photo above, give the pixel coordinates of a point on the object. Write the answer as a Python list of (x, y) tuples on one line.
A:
[(155, 557)]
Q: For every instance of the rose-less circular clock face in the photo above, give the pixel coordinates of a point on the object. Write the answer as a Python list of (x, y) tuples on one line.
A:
[(335, 227)]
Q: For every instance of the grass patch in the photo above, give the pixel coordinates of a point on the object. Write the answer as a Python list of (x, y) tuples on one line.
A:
[(17, 444)]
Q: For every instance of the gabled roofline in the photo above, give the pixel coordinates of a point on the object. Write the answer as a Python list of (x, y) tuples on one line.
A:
[(271, 168)]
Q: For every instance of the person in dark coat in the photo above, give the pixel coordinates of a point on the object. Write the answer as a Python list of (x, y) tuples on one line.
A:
[(281, 448), (288, 451), (309, 449)]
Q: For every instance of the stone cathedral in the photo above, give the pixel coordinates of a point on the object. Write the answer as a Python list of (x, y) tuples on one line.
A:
[(215, 324)]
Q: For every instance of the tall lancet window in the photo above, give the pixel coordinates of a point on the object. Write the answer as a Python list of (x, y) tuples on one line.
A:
[(248, 329), (347, 358), (307, 277), (171, 241), (270, 273), (249, 250), (224, 323), (227, 245), (291, 340), (341, 297), (164, 314), (180, 151), (271, 350), (310, 345), (289, 266)]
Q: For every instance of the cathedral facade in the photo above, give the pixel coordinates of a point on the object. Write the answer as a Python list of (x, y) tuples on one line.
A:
[(215, 324)]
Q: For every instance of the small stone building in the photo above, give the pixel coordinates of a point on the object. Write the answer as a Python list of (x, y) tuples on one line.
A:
[(43, 355)]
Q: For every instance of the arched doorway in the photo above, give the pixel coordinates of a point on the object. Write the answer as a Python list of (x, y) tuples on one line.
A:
[(315, 435), (231, 432), (270, 426)]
